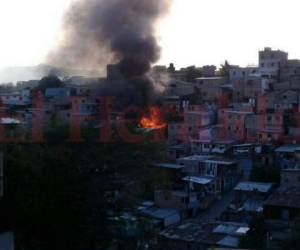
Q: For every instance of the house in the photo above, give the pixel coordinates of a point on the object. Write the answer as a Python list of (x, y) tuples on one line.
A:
[(269, 126), (234, 123), (218, 147), (290, 70), (270, 62), (205, 188), (196, 119), (16, 99), (225, 172), (165, 217), (192, 164), (283, 204), (286, 100), (200, 236), (242, 72), (186, 201), (288, 156), (250, 195), (210, 87)]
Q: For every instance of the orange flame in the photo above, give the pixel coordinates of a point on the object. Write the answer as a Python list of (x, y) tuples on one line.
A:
[(153, 120)]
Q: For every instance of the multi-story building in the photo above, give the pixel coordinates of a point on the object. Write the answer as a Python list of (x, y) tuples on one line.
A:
[(270, 62)]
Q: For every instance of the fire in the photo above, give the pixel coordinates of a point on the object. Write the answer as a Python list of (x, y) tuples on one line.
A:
[(153, 120)]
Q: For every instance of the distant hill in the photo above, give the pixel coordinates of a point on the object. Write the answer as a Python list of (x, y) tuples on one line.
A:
[(16, 74)]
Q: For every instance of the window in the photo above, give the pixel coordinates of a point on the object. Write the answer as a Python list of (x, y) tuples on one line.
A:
[(269, 118)]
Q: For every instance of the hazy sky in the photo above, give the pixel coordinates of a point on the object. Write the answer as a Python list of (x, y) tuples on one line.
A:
[(196, 31)]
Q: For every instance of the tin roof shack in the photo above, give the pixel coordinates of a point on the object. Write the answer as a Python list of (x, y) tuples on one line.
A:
[(249, 198), (288, 156), (194, 235), (283, 204), (256, 191), (204, 186), (163, 217)]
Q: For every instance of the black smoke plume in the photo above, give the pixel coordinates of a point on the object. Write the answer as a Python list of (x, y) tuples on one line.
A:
[(99, 32)]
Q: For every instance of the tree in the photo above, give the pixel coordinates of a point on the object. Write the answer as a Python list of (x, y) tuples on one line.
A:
[(57, 194), (192, 73), (224, 71), (261, 173)]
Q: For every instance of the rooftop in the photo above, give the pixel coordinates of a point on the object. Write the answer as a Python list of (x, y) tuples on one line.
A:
[(169, 165), (198, 180), (290, 148), (285, 197), (252, 186), (219, 233), (195, 158), (220, 161), (158, 213)]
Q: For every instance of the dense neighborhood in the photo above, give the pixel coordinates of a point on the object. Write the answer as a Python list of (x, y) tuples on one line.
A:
[(230, 171)]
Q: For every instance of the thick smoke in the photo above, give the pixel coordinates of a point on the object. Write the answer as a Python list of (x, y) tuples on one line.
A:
[(98, 32)]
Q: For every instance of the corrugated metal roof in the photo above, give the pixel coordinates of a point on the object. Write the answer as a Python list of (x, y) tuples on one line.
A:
[(251, 186), (288, 148), (198, 180)]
